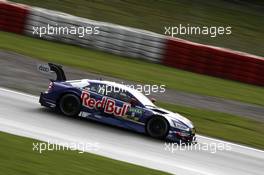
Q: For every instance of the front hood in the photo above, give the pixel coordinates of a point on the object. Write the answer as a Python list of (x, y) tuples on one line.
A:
[(172, 116)]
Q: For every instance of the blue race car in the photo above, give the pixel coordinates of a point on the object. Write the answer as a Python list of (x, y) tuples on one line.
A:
[(114, 104)]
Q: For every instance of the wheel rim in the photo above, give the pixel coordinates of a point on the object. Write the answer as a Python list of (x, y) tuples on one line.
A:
[(69, 105), (157, 127)]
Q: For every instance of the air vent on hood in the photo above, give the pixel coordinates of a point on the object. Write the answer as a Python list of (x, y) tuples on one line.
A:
[(159, 111)]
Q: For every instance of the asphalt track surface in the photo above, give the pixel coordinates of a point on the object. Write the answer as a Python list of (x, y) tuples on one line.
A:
[(22, 115), (20, 72)]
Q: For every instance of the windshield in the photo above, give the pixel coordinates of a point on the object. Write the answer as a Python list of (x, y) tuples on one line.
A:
[(142, 98)]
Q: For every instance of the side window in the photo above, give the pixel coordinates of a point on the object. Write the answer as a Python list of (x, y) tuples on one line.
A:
[(124, 96), (132, 100), (112, 94), (94, 87), (119, 94)]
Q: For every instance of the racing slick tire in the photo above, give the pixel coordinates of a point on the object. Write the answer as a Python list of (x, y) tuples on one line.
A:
[(157, 127), (70, 105)]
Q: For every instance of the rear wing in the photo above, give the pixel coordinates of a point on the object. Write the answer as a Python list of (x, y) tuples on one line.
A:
[(49, 68)]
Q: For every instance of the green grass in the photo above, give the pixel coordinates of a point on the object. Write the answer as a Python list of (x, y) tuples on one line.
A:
[(245, 17), (17, 157), (224, 126), (131, 69)]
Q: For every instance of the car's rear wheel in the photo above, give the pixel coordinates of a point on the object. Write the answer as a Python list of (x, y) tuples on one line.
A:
[(157, 127), (70, 105)]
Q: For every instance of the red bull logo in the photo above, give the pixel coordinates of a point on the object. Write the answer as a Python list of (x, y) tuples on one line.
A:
[(108, 105)]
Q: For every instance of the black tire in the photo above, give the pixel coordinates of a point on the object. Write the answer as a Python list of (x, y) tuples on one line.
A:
[(70, 105), (157, 127)]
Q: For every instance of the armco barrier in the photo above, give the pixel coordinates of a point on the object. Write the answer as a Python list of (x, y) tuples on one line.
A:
[(136, 43), (214, 61), (111, 38)]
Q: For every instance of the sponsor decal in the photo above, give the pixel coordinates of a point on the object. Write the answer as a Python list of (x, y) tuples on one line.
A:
[(136, 110), (132, 117), (107, 105), (84, 114), (43, 68)]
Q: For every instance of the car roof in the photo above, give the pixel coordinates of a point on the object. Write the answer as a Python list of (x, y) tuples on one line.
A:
[(111, 83), (140, 96), (84, 82)]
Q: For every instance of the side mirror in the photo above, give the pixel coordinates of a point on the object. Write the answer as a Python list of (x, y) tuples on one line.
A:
[(153, 100)]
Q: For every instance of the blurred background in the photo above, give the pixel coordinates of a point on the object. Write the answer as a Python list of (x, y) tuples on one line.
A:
[(244, 16), (220, 90)]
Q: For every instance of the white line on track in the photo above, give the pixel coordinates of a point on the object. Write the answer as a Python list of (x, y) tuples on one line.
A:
[(130, 148), (205, 137)]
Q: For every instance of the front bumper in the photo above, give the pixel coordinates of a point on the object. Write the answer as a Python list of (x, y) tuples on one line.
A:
[(176, 135)]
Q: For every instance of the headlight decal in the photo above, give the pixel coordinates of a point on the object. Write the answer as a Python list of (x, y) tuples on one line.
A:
[(180, 126)]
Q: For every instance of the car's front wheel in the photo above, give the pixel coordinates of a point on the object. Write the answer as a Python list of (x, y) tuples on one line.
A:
[(157, 127), (70, 105)]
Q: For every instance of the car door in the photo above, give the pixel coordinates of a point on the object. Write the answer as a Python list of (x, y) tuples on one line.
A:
[(92, 100), (116, 106), (123, 101), (136, 110)]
